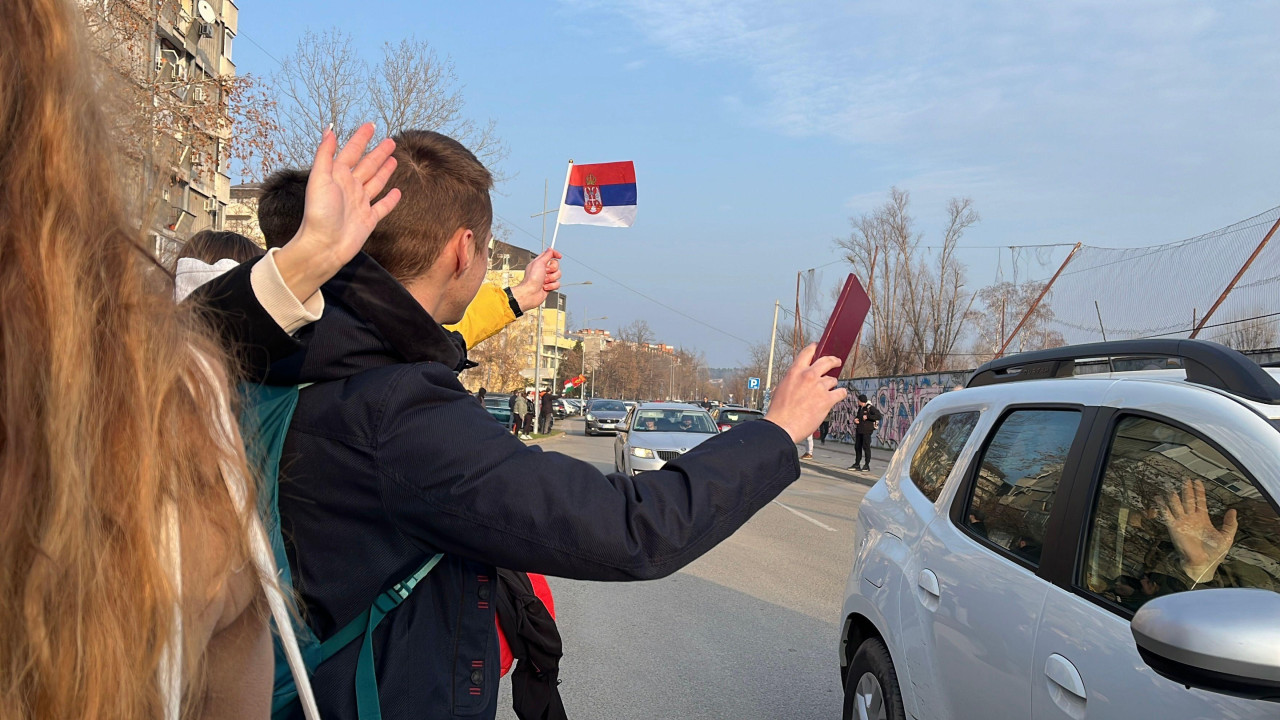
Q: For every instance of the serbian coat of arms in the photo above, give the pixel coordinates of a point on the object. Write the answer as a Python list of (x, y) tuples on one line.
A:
[(591, 201)]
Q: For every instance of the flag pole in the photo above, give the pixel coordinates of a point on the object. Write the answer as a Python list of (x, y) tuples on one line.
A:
[(563, 192)]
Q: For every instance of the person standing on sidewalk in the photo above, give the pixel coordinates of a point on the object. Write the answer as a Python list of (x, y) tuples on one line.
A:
[(808, 449), (865, 419), (519, 411), (825, 429), (531, 397), (547, 408)]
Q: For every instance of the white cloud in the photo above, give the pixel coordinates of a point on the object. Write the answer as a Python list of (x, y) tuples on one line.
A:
[(1115, 122)]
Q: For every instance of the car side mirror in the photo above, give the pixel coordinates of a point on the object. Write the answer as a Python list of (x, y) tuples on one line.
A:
[(1224, 640)]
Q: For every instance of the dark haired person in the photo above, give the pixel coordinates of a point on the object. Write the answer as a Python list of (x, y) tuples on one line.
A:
[(210, 246), (390, 462)]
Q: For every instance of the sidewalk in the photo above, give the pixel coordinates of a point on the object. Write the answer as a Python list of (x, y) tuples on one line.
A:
[(834, 459)]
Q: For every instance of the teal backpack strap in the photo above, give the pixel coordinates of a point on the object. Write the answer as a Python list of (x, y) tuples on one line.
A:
[(367, 705)]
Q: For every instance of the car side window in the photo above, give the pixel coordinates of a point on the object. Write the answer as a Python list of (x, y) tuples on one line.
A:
[(1017, 479), (937, 453), (1173, 514)]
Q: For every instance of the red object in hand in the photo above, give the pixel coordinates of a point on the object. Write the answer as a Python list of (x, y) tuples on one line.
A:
[(543, 591), (845, 324)]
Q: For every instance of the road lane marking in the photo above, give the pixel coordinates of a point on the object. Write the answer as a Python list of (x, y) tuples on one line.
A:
[(828, 528)]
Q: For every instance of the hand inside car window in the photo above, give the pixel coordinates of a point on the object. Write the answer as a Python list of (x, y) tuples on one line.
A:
[(1175, 514), (1201, 544)]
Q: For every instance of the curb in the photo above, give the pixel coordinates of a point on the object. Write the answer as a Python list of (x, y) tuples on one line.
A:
[(553, 436), (839, 473)]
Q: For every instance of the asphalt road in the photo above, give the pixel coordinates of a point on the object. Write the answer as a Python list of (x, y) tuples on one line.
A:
[(747, 631)]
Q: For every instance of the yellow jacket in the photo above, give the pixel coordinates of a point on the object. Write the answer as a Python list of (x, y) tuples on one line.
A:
[(486, 316)]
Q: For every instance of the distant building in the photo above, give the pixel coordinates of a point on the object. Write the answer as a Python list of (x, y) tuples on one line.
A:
[(191, 43), (242, 212), (506, 269)]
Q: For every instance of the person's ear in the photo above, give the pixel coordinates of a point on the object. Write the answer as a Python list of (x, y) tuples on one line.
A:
[(462, 246)]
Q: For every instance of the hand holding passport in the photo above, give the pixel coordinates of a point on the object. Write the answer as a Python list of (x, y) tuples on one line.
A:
[(808, 392)]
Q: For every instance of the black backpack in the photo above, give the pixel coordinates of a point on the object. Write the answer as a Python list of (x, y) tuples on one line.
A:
[(535, 643)]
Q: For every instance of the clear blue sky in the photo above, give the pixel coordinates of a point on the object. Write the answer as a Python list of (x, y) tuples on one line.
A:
[(758, 128)]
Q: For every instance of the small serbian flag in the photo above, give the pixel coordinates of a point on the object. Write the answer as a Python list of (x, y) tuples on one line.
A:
[(600, 194)]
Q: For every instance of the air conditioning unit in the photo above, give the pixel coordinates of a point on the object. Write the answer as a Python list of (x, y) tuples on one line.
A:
[(198, 94), (210, 204), (206, 30)]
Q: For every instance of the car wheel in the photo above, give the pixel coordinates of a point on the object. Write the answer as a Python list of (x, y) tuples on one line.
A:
[(871, 688)]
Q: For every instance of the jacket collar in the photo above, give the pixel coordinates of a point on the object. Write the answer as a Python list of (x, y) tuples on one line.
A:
[(370, 320), (380, 300)]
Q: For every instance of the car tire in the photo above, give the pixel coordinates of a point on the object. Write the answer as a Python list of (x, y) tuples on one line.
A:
[(871, 689)]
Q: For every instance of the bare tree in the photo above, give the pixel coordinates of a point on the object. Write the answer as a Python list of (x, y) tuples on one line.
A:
[(174, 120), (1252, 332), (917, 307), (503, 358), (1003, 306), (326, 81)]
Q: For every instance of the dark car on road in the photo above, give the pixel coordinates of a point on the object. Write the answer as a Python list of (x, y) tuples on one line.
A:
[(727, 417), (605, 416)]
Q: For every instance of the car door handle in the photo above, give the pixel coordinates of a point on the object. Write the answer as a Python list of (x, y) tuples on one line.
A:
[(1062, 673), (930, 592), (929, 584)]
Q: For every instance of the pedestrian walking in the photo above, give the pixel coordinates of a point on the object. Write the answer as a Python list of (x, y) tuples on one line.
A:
[(825, 429), (480, 395), (866, 418)]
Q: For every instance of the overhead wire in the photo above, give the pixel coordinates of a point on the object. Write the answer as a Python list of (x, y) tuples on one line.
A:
[(625, 286)]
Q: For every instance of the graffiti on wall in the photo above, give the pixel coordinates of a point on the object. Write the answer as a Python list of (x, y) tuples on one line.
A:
[(899, 400)]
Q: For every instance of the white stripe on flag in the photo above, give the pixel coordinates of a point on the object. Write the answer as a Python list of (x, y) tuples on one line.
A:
[(619, 216)]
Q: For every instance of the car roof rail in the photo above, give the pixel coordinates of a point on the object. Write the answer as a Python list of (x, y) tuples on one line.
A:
[(1206, 363)]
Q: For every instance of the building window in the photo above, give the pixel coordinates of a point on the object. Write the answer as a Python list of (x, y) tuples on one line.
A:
[(227, 37)]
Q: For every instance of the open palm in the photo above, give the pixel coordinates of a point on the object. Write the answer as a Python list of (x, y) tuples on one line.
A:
[(1201, 544), (340, 209)]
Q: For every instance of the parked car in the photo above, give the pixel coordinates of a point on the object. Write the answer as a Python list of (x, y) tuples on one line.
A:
[(727, 417), (562, 408), (657, 432), (605, 416), (498, 406), (1045, 545)]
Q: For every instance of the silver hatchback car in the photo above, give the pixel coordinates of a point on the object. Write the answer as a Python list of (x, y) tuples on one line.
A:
[(1053, 544), (654, 433)]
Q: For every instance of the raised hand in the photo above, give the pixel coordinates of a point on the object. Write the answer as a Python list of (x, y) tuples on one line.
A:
[(805, 396), (541, 276), (1201, 545), (340, 209)]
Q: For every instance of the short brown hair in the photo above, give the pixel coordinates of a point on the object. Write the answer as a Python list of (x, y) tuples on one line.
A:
[(281, 201), (213, 245), (443, 187)]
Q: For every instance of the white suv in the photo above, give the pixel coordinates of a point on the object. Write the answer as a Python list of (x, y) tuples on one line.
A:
[(1026, 552)]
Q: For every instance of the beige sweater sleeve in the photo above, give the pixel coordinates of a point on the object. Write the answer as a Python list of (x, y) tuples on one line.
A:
[(279, 301)]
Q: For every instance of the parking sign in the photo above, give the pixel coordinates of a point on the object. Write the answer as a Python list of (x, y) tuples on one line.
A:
[(753, 383)]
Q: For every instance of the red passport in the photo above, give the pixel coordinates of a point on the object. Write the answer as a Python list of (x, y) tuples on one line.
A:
[(845, 324)]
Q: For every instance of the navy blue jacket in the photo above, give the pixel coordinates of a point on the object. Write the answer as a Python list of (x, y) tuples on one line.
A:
[(389, 461)]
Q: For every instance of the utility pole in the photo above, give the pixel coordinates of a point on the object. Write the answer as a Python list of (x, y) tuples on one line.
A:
[(537, 337), (773, 340), (797, 333)]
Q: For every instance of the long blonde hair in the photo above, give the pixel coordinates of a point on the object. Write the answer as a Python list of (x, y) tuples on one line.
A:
[(105, 418)]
